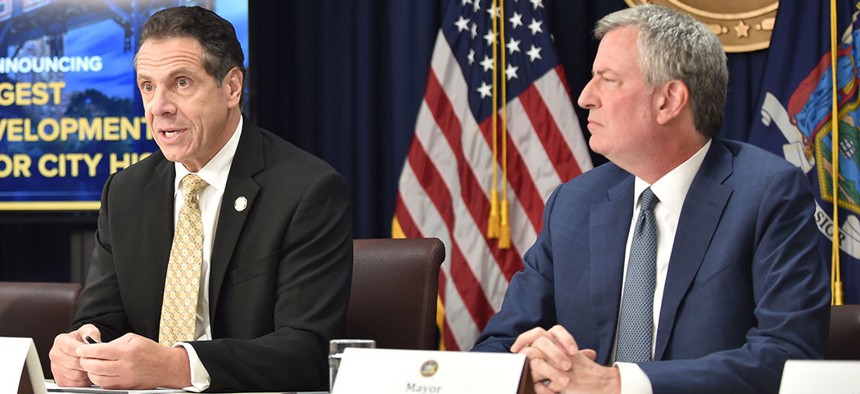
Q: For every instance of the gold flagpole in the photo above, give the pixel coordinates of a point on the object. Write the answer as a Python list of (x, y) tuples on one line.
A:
[(493, 220), (835, 272), (505, 225)]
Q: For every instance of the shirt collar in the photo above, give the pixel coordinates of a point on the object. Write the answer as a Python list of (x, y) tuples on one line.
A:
[(672, 188), (215, 172)]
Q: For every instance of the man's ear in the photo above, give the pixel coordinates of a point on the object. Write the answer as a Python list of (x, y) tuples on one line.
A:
[(234, 81), (671, 98)]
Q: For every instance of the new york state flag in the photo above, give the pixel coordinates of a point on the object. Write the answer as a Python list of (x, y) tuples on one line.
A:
[(796, 103)]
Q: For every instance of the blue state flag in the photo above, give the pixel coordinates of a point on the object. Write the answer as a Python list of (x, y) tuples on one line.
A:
[(796, 102)]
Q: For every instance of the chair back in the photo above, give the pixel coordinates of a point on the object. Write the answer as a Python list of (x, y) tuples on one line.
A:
[(394, 289), (37, 310), (844, 338)]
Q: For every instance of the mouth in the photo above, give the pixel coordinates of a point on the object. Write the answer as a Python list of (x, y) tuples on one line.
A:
[(171, 133)]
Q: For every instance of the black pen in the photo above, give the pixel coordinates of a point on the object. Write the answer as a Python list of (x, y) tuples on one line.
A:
[(90, 339)]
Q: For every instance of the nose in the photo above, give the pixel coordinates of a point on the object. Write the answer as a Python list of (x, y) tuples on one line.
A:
[(587, 98), (161, 103)]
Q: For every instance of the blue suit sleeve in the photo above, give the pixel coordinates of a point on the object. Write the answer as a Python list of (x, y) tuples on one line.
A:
[(528, 302)]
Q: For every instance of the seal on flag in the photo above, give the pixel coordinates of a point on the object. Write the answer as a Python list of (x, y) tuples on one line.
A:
[(806, 125)]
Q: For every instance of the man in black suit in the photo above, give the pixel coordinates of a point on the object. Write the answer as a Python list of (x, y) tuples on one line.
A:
[(277, 236)]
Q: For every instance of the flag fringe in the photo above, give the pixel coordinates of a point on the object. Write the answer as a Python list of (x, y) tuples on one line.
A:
[(493, 220), (440, 321), (505, 228)]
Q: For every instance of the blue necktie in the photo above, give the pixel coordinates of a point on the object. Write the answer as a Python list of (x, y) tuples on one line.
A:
[(637, 306)]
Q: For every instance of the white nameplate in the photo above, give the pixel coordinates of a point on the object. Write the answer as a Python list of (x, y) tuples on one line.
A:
[(15, 355), (820, 376), (430, 372)]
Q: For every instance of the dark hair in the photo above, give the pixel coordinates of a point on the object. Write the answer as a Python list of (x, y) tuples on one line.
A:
[(221, 48)]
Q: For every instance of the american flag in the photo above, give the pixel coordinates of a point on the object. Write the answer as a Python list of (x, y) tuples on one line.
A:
[(444, 189)]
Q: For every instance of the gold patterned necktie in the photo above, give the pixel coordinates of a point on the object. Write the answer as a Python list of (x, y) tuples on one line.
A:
[(182, 284)]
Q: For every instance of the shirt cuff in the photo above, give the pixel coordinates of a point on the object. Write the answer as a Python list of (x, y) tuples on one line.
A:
[(200, 379), (633, 379)]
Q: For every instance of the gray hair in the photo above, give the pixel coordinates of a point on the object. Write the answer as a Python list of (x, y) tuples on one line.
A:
[(674, 46)]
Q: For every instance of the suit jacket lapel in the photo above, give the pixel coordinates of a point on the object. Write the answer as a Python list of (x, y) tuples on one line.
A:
[(158, 223), (249, 160), (608, 245), (702, 211)]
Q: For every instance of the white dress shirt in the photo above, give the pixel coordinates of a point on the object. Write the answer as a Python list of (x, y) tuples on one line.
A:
[(215, 173), (671, 189)]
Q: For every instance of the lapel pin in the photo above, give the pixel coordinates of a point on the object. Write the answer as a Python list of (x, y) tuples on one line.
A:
[(240, 204)]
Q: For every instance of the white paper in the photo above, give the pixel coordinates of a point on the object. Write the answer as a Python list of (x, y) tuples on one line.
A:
[(820, 376), (400, 371), (52, 387), (14, 354)]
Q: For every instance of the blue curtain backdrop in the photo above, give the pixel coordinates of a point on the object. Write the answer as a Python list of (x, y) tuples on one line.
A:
[(344, 79)]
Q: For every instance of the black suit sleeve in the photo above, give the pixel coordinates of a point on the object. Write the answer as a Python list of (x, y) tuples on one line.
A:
[(100, 303)]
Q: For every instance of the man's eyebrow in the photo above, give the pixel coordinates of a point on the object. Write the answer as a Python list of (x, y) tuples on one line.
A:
[(171, 75), (603, 72)]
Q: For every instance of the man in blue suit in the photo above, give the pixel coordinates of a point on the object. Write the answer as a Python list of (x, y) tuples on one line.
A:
[(739, 285)]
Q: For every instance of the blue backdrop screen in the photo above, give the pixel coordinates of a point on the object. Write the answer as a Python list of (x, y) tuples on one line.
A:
[(70, 113)]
